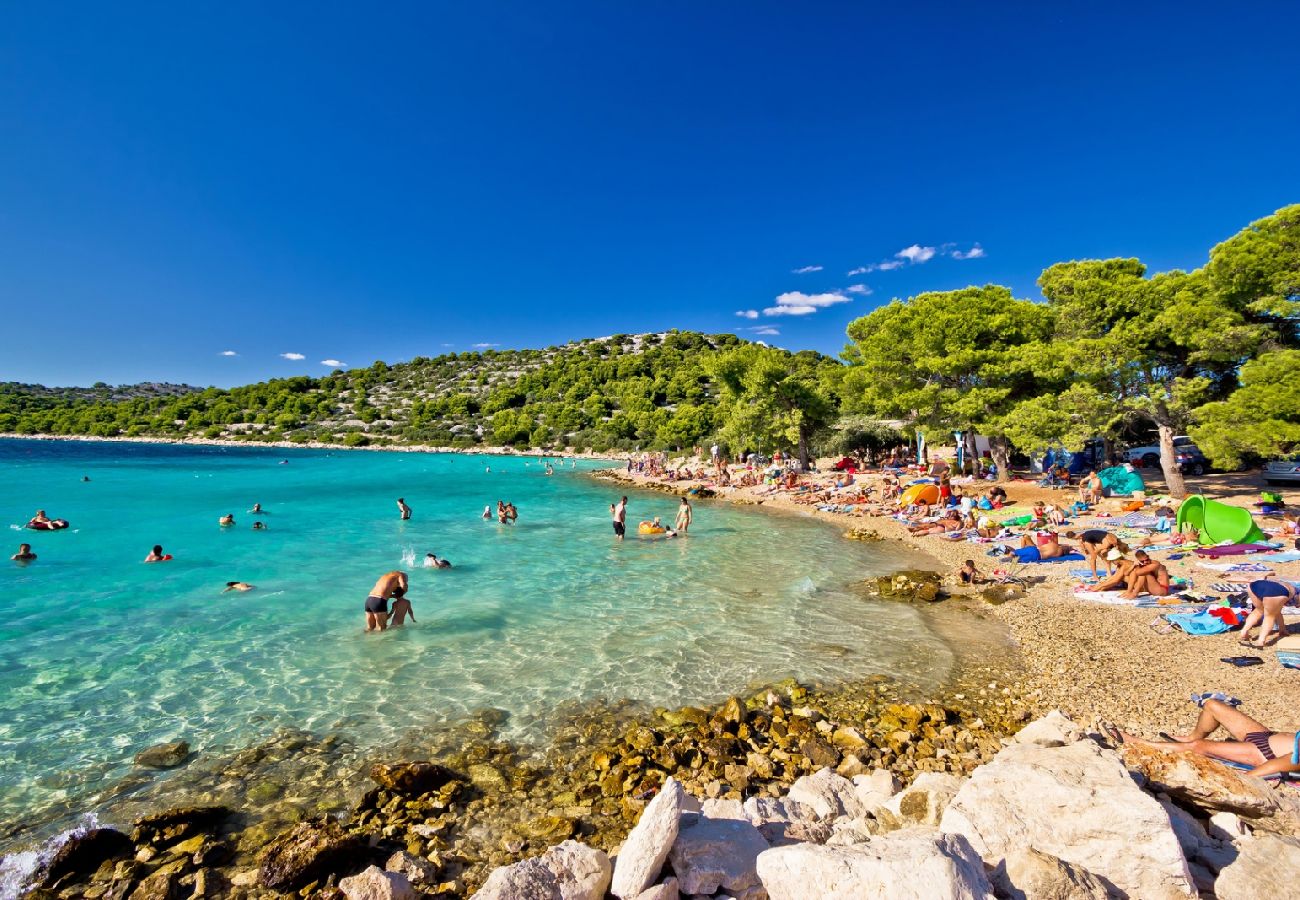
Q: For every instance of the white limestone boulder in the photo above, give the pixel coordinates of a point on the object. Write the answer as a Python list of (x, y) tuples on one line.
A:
[(716, 854), (646, 848), (567, 871), (376, 884), (829, 795)]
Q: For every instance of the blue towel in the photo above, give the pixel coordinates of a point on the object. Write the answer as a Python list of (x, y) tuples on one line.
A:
[(1068, 557), (1198, 623)]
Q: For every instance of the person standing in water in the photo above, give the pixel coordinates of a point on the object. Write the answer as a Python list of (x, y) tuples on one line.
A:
[(685, 515), (403, 508), (24, 554), (618, 512), (391, 585)]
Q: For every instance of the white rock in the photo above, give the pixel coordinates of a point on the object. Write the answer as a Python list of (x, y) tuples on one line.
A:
[(1268, 866), (1191, 834), (646, 848), (720, 808), (1027, 874), (666, 891), (846, 832), (874, 790), (716, 854), (913, 864), (1052, 730), (1076, 802), (828, 794), (771, 809), (922, 802), (567, 871), (416, 870), (786, 821), (1226, 826), (376, 884)]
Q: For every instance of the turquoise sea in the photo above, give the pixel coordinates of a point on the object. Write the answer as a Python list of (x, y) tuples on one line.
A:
[(102, 655)]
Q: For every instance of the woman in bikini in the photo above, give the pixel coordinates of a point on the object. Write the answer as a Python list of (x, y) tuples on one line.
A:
[(1267, 752)]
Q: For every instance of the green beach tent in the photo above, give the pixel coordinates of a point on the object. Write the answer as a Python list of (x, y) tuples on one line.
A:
[(1121, 481), (1218, 522)]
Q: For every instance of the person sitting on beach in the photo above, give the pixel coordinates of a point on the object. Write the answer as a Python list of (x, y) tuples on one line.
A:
[(1267, 752), (1267, 597), (1148, 576), (240, 586), (1090, 489), (685, 514), (227, 520), (24, 554), (1117, 580), (157, 555), (257, 509), (968, 574), (431, 561), (390, 585), (1096, 544), (403, 509), (1054, 515)]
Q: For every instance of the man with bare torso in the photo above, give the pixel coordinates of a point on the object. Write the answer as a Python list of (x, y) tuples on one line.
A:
[(392, 585)]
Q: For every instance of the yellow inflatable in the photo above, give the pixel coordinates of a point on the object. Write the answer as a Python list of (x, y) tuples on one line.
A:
[(648, 528), (919, 493)]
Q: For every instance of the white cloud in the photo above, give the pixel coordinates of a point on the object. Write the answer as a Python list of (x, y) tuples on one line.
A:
[(889, 265), (333, 363), (747, 313), (973, 253), (293, 356), (767, 330), (485, 345), (886, 266), (916, 254), (858, 289), (797, 303), (229, 353), (806, 269), (449, 345), (860, 270)]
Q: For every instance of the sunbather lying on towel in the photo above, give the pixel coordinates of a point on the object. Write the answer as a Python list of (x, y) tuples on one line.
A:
[(1267, 752), (1036, 548)]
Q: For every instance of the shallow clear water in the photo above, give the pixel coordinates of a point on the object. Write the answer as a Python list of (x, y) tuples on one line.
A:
[(101, 655)]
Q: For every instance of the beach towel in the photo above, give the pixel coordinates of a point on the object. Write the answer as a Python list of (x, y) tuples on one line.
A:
[(1114, 598), (1137, 520), (1234, 567), (1154, 603), (1288, 556), (1233, 549), (1200, 623), (1289, 658), (1083, 574)]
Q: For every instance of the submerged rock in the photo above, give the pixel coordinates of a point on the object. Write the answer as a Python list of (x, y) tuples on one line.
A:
[(411, 779), (308, 851), (163, 756)]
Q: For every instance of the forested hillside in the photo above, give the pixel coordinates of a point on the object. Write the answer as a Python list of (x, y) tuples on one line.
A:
[(620, 392)]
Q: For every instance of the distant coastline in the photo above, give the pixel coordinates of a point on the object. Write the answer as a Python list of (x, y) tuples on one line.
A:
[(311, 445)]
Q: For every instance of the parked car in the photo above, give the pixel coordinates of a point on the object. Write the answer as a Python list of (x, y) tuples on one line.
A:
[(1190, 458), (1283, 471)]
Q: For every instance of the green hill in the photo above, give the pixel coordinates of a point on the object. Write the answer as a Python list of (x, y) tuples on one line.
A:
[(625, 391)]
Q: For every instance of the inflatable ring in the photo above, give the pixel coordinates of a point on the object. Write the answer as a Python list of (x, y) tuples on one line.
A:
[(650, 529)]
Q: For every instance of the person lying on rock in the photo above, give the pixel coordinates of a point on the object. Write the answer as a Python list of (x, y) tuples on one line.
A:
[(1266, 752)]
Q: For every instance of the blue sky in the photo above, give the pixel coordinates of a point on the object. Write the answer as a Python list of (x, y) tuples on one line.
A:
[(356, 182)]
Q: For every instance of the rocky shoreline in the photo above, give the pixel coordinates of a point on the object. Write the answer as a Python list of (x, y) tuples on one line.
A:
[(450, 818)]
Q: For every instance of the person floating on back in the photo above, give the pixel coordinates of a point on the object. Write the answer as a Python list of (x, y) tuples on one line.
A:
[(403, 508), (24, 554), (240, 586), (389, 586)]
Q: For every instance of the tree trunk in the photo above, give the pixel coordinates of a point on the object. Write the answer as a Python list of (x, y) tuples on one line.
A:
[(1000, 450), (803, 449), (1169, 462)]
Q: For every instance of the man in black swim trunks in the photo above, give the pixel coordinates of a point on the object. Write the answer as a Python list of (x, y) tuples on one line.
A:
[(618, 512), (392, 584)]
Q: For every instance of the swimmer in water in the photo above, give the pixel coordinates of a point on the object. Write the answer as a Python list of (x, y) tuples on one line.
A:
[(403, 508), (257, 509), (390, 585), (156, 555), (24, 554), (259, 526), (39, 519), (431, 561), (511, 513), (240, 586), (549, 469), (85, 477), (227, 520), (487, 513)]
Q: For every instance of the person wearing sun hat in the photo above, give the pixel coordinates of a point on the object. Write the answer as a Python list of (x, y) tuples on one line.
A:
[(1123, 571)]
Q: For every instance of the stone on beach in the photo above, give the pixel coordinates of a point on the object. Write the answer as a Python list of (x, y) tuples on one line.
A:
[(647, 847), (411, 779), (568, 871), (81, 854), (829, 795), (875, 789), (786, 821), (376, 884), (1076, 802), (417, 871), (913, 864), (1267, 865), (306, 852), (163, 756), (1029, 874), (921, 803), (666, 891), (712, 854), (1205, 783)]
